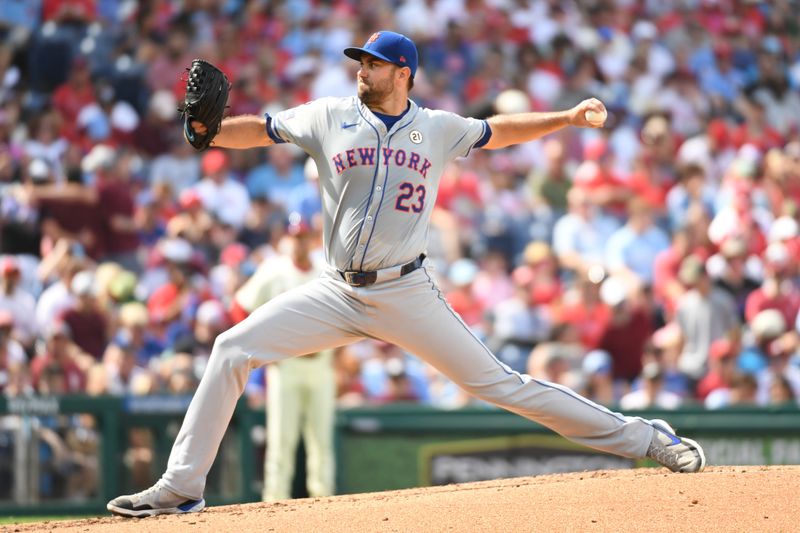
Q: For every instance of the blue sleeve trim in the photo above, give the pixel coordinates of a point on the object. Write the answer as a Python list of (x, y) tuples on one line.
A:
[(487, 134), (271, 131)]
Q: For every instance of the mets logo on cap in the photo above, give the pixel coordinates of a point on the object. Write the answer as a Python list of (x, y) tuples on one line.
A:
[(374, 37)]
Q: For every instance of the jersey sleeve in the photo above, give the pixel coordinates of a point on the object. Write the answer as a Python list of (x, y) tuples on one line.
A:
[(462, 134), (303, 125)]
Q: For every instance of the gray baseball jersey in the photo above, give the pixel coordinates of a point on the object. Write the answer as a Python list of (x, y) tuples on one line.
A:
[(378, 189)]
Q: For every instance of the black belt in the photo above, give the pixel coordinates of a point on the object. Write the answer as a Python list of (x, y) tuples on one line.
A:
[(362, 278)]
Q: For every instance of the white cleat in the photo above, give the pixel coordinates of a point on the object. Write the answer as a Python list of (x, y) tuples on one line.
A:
[(679, 454), (154, 501)]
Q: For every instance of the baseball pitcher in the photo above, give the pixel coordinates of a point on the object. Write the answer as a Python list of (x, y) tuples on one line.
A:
[(380, 158)]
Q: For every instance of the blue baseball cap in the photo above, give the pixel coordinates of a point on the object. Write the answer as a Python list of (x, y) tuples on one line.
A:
[(388, 46)]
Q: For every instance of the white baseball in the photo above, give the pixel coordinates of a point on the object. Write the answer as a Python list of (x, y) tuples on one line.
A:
[(596, 118)]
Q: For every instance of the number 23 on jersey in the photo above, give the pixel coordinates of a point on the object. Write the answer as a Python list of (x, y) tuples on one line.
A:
[(410, 198)]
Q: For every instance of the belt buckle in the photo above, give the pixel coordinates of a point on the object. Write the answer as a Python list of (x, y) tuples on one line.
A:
[(355, 278)]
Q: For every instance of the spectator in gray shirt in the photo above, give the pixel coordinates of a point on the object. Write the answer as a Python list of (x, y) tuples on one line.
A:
[(705, 313)]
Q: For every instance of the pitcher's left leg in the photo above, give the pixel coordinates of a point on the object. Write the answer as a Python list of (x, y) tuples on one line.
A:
[(414, 315)]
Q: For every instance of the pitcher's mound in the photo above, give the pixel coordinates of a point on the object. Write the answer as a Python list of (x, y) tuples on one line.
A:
[(726, 498)]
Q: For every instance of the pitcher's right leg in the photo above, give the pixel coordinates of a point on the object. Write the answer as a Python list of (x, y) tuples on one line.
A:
[(308, 319), (419, 320)]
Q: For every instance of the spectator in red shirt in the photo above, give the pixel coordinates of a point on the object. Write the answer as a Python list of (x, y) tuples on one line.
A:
[(461, 297), (69, 10), (755, 129), (779, 290), (584, 310), (193, 222), (541, 268), (460, 192), (117, 208), (628, 330), (597, 177), (73, 95), (722, 370), (69, 211), (741, 219), (60, 356), (87, 323)]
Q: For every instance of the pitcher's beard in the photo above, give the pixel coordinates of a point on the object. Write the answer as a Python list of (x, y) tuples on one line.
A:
[(374, 95)]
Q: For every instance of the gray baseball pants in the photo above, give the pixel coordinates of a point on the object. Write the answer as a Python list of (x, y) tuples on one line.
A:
[(408, 311)]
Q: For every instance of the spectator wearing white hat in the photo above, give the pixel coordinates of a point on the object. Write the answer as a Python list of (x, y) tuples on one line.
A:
[(88, 323), (178, 290), (765, 331), (711, 149), (155, 134), (779, 290), (783, 228), (630, 327), (70, 210), (742, 208), (659, 59), (735, 270), (119, 231), (460, 279), (173, 297), (210, 320)]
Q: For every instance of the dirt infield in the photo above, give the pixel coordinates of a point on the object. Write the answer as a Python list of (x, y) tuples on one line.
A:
[(719, 499)]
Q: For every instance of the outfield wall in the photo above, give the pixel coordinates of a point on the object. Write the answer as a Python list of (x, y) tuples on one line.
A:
[(69, 455)]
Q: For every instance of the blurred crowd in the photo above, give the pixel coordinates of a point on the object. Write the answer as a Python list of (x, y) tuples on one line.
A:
[(650, 263)]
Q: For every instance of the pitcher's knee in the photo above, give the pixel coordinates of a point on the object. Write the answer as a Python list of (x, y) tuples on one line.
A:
[(227, 350)]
